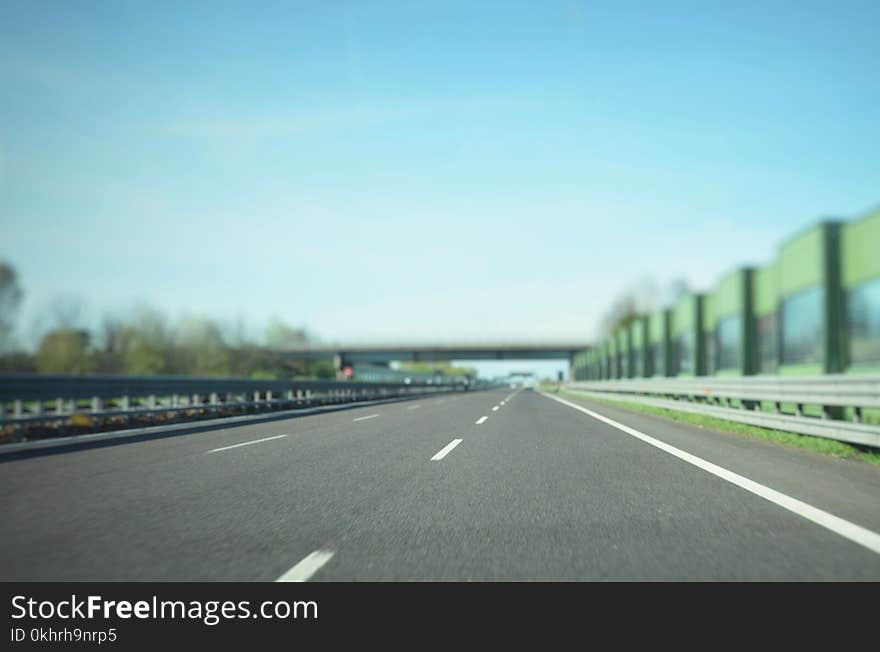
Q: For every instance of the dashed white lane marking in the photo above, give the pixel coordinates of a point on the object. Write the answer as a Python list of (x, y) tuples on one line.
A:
[(512, 394), (481, 420), (443, 452), (246, 443), (369, 416), (413, 407), (846, 529), (307, 567), (495, 408)]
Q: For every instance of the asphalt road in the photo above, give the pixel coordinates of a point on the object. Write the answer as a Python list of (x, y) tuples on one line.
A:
[(537, 490)]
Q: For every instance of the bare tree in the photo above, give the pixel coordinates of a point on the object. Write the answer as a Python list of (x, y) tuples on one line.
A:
[(641, 298), (622, 311), (281, 336), (675, 290), (200, 348), (111, 345), (10, 298), (67, 311), (65, 350), (149, 343)]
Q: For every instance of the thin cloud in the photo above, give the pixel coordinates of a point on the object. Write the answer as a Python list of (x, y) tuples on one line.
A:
[(259, 125)]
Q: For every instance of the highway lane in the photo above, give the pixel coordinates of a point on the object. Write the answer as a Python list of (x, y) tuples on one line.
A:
[(546, 494), (172, 509), (536, 490)]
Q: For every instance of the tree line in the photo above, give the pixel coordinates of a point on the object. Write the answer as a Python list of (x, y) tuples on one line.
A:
[(148, 343)]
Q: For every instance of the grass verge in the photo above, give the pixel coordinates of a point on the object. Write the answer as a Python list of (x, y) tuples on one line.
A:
[(815, 444)]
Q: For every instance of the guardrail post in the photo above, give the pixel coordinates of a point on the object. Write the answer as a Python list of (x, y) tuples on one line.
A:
[(857, 415), (125, 406), (38, 408), (17, 409), (799, 409), (96, 404)]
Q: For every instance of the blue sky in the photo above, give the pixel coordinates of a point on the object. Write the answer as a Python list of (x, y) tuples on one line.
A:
[(434, 170)]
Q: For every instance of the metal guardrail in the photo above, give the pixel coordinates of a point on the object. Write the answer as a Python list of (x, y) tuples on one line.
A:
[(44, 398), (714, 396)]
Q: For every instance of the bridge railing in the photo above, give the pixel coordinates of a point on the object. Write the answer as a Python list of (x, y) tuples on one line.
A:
[(27, 399), (830, 406)]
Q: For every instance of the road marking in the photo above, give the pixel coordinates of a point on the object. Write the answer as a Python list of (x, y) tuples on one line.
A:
[(307, 567), (369, 416), (512, 394), (846, 529), (481, 420), (495, 408), (502, 402), (246, 443), (413, 407), (443, 452)]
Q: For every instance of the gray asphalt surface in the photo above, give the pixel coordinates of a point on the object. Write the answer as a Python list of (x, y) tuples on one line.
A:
[(539, 491)]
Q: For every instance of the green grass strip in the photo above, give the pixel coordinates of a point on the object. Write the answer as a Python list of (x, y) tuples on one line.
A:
[(815, 444)]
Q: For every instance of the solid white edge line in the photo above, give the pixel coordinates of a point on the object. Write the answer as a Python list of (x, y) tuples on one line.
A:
[(480, 420), (370, 416), (846, 529), (413, 407), (307, 567), (245, 443), (443, 452)]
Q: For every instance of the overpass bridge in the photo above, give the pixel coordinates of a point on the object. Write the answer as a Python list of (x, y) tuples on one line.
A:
[(344, 354)]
